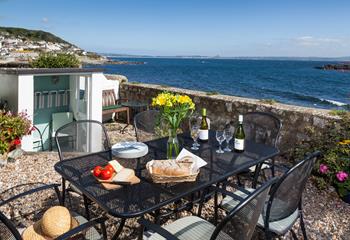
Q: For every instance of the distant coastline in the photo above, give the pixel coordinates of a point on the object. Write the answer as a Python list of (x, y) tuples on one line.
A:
[(84, 61), (277, 58)]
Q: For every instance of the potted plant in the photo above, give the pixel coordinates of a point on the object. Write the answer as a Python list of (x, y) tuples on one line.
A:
[(334, 169), (174, 108), (12, 128)]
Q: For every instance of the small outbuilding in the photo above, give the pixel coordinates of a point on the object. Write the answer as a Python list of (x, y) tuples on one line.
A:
[(52, 97)]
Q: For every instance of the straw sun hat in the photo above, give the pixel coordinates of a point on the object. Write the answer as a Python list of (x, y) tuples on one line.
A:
[(55, 222)]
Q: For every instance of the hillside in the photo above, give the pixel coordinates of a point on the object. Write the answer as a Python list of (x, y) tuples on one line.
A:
[(32, 35)]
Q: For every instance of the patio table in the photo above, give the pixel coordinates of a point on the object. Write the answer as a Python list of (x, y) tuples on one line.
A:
[(146, 197)]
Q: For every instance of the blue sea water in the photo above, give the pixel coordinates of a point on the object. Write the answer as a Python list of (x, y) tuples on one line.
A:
[(291, 82)]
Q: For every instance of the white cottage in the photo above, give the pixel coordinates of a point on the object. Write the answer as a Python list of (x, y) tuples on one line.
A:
[(52, 97)]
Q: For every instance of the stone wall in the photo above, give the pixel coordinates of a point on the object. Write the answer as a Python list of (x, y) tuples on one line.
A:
[(297, 121)]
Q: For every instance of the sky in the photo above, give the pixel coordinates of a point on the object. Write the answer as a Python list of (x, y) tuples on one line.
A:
[(302, 28)]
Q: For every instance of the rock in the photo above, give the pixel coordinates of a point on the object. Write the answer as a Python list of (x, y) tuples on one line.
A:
[(15, 154), (344, 66)]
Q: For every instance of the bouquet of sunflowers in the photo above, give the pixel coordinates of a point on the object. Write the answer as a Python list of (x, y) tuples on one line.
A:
[(174, 108)]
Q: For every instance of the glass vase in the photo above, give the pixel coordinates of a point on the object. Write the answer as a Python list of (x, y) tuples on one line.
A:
[(173, 146)]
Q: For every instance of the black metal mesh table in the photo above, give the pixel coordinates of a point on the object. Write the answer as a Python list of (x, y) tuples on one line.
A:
[(136, 200)]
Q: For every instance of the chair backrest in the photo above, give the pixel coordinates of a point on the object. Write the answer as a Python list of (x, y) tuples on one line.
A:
[(244, 217), (60, 119), (286, 194), (23, 204), (262, 127), (81, 138), (145, 124), (108, 97), (8, 230)]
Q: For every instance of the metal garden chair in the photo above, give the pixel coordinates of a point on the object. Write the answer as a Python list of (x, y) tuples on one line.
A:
[(242, 219), (284, 205), (262, 127), (58, 120), (145, 124), (85, 137), (21, 206)]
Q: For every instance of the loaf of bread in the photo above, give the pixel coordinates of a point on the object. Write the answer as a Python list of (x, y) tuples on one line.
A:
[(182, 167)]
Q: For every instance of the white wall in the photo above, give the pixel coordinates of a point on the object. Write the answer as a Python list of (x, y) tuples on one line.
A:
[(111, 84), (96, 96), (9, 90), (26, 103)]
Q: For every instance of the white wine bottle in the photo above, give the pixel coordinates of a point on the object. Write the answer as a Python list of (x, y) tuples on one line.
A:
[(239, 136), (204, 128)]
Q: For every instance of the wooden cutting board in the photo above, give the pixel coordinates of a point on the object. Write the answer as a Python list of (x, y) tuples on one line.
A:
[(110, 186)]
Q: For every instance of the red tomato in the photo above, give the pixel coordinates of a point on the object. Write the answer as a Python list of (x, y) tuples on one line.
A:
[(97, 171), (110, 168), (105, 174)]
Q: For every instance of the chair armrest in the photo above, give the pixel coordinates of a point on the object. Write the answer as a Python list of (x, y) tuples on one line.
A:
[(158, 229), (31, 191), (82, 227)]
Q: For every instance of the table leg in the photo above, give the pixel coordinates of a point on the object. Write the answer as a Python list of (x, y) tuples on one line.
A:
[(86, 205), (63, 191), (119, 230), (256, 175)]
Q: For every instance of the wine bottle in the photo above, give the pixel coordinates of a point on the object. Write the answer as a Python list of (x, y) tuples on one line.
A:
[(239, 135), (204, 128)]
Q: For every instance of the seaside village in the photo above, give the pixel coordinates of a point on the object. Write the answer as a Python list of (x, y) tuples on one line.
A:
[(17, 49), (90, 155)]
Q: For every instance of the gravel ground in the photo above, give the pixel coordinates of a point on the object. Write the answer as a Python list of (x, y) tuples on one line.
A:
[(326, 216)]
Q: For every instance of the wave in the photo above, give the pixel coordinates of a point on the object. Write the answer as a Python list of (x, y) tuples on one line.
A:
[(337, 103), (307, 98)]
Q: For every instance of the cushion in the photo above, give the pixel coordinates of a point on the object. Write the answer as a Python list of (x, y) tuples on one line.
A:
[(228, 203), (91, 233), (111, 107), (282, 226), (191, 228)]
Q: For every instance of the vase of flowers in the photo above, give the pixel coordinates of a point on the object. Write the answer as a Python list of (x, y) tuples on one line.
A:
[(12, 128), (335, 168), (174, 108)]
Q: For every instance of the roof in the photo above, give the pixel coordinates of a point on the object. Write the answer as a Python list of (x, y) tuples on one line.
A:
[(43, 71)]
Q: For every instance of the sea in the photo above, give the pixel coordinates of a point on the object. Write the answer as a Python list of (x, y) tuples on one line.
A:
[(295, 82)]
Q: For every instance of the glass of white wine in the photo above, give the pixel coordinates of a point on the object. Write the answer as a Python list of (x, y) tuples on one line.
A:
[(195, 135), (220, 138)]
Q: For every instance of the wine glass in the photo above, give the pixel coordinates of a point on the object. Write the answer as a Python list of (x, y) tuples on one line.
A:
[(194, 121), (195, 135), (220, 138), (228, 134)]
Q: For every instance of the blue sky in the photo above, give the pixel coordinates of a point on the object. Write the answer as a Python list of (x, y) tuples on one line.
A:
[(191, 27)]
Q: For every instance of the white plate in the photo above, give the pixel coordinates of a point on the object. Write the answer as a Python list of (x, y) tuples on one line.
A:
[(129, 149)]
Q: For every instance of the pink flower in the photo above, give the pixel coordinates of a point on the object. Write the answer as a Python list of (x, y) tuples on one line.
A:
[(323, 168), (342, 176)]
